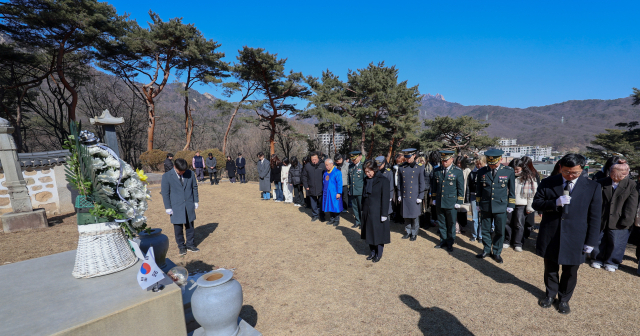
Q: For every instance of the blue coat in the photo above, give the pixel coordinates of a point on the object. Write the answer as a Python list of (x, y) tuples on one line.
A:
[(240, 163), (178, 197), (331, 186)]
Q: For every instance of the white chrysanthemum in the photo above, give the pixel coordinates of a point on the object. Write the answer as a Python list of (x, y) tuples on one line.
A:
[(107, 190), (138, 221), (124, 192), (112, 162), (96, 151), (109, 176), (98, 164), (127, 171)]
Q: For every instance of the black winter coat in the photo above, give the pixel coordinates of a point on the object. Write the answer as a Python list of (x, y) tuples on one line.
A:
[(374, 207), (312, 178), (231, 169), (562, 237), (295, 175), (168, 165), (275, 173)]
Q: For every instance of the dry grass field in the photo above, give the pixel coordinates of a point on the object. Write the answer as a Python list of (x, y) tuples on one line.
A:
[(304, 278)]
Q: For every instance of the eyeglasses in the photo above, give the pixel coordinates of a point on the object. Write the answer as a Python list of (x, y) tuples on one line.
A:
[(570, 173)]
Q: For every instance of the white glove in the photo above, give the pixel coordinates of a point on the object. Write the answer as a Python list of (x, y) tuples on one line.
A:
[(562, 200), (419, 201), (434, 202), (168, 211), (383, 219), (457, 206), (509, 210), (587, 249), (399, 198), (478, 208), (196, 204)]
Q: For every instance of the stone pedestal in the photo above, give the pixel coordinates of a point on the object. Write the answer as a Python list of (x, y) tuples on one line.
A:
[(17, 221), (108, 123), (40, 297)]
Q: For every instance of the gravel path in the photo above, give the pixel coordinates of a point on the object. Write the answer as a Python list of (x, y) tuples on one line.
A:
[(304, 278)]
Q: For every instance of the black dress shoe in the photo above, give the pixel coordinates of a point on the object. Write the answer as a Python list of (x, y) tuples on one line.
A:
[(354, 226), (413, 238), (375, 259), (441, 245), (449, 248), (545, 302), (563, 307), (371, 257), (336, 222), (330, 222), (313, 219), (483, 255), (498, 259), (406, 236)]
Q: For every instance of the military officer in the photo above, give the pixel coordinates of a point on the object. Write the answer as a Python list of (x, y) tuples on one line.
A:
[(411, 186), (447, 190), (356, 184), (495, 196), (388, 173)]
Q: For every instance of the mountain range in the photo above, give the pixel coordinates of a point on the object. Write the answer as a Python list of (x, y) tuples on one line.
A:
[(569, 126)]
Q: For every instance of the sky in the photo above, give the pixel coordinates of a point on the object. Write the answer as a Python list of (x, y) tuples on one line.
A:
[(506, 53)]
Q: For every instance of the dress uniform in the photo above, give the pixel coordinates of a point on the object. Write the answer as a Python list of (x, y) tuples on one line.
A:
[(356, 184), (495, 196), (387, 172), (411, 186), (447, 190)]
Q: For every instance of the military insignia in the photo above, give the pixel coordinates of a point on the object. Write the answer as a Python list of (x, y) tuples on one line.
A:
[(504, 177), (503, 185), (450, 183), (484, 184)]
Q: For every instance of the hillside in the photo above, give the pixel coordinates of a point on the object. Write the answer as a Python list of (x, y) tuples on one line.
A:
[(541, 125)]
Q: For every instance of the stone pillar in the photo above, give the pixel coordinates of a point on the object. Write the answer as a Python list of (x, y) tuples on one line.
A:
[(23, 215), (108, 123)]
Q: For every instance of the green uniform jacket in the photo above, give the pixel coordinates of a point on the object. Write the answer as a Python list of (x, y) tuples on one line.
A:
[(356, 179), (496, 194), (447, 190)]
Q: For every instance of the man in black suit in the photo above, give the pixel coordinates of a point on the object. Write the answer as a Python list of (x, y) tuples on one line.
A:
[(168, 163), (571, 206), (619, 206)]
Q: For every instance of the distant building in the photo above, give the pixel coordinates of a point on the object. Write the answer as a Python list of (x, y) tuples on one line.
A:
[(513, 150), (326, 142)]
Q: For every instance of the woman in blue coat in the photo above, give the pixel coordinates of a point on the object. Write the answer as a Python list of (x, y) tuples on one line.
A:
[(332, 192)]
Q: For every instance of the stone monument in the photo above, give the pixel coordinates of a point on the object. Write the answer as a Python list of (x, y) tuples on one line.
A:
[(23, 215), (109, 123)]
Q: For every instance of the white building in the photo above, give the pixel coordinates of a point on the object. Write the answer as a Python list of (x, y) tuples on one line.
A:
[(326, 141), (507, 142), (513, 150)]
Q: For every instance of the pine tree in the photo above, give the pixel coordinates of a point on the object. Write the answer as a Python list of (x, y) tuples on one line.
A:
[(458, 134)]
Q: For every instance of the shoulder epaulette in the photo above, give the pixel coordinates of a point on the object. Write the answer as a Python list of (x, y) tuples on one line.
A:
[(508, 167), (388, 169), (456, 167), (420, 164)]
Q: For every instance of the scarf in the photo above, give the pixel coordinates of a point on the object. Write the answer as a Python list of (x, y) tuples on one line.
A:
[(368, 185)]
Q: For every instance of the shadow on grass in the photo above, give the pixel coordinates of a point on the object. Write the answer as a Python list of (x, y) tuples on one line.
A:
[(249, 315), (486, 266), (353, 237), (435, 321), (203, 231)]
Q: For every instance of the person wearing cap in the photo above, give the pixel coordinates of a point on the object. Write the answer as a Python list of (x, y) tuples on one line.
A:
[(241, 171), (356, 183), (411, 185), (447, 190), (495, 197), (387, 172), (332, 192)]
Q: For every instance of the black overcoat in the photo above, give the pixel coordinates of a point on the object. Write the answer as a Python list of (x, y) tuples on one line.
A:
[(240, 164), (375, 206), (562, 237), (312, 178), (231, 168)]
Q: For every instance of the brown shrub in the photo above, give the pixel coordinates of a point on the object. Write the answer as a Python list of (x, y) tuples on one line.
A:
[(152, 160)]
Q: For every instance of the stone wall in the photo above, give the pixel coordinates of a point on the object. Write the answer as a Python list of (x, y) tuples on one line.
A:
[(47, 187)]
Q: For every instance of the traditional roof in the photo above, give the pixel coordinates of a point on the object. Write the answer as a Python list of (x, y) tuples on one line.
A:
[(40, 159)]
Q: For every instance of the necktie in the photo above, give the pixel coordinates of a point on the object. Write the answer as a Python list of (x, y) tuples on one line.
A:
[(181, 180), (494, 171)]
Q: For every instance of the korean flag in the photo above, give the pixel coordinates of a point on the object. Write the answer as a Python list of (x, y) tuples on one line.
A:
[(149, 272)]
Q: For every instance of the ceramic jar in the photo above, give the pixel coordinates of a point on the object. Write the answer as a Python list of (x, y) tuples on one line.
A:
[(160, 243), (216, 304)]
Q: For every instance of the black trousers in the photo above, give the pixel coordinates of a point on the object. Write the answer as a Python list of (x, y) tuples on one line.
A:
[(213, 178), (514, 230), (242, 178), (376, 250), (562, 286), (316, 207), (298, 195), (177, 231)]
